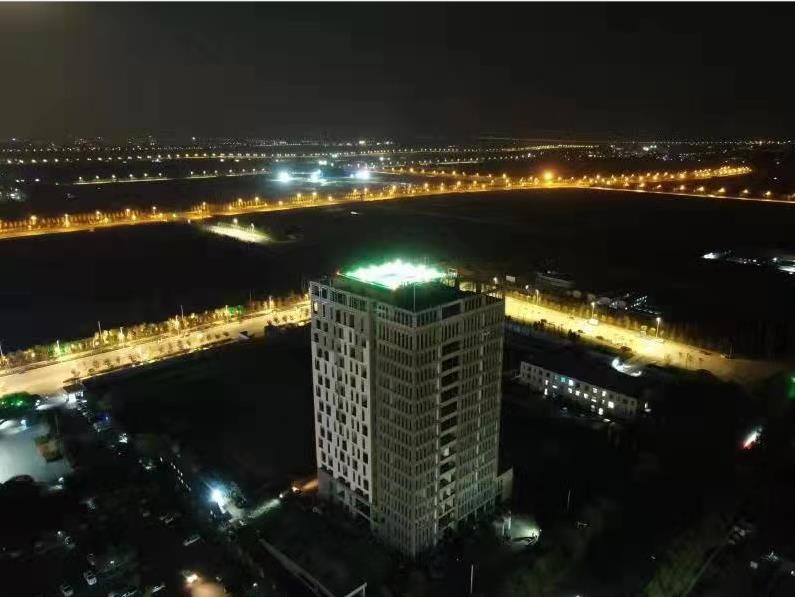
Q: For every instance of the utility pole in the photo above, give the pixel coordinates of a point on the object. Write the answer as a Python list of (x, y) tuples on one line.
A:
[(471, 578), (568, 500)]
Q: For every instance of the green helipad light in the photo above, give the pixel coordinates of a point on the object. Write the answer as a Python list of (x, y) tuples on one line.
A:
[(395, 274)]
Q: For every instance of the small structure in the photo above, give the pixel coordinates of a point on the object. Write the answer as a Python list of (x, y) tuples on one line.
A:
[(555, 280), (74, 390)]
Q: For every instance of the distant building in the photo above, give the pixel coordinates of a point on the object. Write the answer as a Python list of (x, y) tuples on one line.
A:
[(407, 385), (10, 193), (551, 279), (609, 389), (74, 390)]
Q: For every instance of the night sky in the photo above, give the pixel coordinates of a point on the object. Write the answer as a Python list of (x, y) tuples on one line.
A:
[(399, 70)]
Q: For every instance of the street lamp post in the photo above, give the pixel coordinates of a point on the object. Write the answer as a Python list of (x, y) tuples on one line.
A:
[(657, 329), (593, 308)]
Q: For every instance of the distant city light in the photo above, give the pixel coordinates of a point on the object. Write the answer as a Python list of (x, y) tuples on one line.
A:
[(316, 176), (284, 176), (549, 175), (362, 174)]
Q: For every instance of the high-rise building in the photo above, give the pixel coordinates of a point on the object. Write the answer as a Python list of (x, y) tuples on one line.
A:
[(406, 372)]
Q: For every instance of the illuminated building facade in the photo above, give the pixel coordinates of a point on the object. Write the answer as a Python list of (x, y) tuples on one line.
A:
[(617, 391), (406, 373)]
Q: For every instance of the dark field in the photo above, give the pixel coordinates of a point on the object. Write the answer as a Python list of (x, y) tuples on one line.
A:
[(59, 286), (245, 409), (177, 194)]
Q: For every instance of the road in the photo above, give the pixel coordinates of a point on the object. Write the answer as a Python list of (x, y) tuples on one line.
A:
[(647, 349), (744, 199), (34, 226), (49, 378)]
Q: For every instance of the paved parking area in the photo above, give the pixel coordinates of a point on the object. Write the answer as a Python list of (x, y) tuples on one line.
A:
[(19, 455)]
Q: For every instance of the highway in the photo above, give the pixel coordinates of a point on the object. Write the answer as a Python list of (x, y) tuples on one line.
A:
[(47, 379), (460, 183), (645, 349)]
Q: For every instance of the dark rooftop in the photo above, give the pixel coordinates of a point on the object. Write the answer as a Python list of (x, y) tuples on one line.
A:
[(327, 546), (595, 370)]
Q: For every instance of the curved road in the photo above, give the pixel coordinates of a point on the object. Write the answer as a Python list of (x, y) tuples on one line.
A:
[(645, 348), (49, 378)]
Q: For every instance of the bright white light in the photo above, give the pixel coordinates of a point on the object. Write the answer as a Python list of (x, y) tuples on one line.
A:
[(217, 496), (626, 368), (395, 274), (752, 438), (363, 174), (284, 176), (246, 235), (316, 176), (322, 162)]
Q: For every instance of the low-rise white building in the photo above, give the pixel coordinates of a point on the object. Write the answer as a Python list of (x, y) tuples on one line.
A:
[(587, 382)]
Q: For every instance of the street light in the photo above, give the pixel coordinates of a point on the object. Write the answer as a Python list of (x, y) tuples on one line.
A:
[(593, 308), (657, 330)]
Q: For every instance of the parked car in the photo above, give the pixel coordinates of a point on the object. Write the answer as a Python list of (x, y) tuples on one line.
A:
[(66, 590), (191, 540), (91, 578), (167, 519), (128, 591)]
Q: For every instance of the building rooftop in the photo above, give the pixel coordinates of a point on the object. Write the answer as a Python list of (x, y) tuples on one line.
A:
[(409, 286), (327, 546), (595, 370), (396, 273)]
